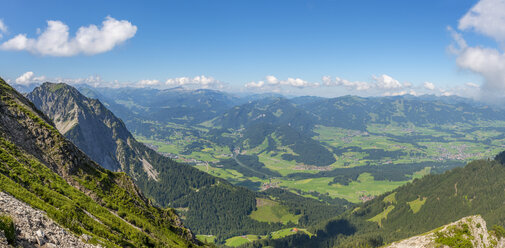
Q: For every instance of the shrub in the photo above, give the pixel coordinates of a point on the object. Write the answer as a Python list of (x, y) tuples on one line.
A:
[(7, 225)]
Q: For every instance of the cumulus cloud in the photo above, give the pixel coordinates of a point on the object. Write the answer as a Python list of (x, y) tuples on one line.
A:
[(486, 17), (271, 79), (350, 85), (271, 83), (149, 83), (253, 85), (387, 82), (28, 78), (429, 85), (378, 85), (55, 40), (401, 93), (488, 62), (198, 81)]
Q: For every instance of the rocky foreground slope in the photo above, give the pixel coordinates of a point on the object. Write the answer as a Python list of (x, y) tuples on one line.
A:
[(468, 232), (34, 227)]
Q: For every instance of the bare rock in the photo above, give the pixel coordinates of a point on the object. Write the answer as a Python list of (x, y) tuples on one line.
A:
[(479, 235), (35, 229)]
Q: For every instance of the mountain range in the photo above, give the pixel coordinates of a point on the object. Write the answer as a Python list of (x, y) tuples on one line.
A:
[(127, 197), (209, 205)]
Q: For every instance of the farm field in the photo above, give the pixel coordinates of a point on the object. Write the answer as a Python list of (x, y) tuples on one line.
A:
[(240, 240)]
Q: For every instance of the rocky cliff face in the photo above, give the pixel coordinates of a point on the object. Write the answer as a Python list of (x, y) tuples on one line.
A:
[(468, 232), (94, 129), (86, 122)]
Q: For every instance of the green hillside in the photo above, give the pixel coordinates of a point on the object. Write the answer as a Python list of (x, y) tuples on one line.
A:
[(415, 208), (40, 167)]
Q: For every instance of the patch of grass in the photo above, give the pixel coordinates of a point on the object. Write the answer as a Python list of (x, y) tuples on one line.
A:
[(383, 215), (271, 211), (209, 239), (390, 198), (416, 204), (499, 231), (7, 225), (240, 240), (455, 236), (287, 232)]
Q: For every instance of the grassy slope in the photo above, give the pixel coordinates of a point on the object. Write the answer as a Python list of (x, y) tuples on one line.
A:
[(121, 217), (271, 211)]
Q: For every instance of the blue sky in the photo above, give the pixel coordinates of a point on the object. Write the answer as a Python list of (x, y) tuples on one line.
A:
[(238, 42)]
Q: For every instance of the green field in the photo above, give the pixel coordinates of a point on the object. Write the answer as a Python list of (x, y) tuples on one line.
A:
[(365, 185), (209, 239), (271, 211), (240, 240), (416, 204), (383, 215)]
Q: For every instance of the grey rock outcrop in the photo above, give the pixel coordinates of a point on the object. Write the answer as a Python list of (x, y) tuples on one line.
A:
[(479, 235), (34, 228)]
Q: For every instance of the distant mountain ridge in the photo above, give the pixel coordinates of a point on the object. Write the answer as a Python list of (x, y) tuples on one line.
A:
[(257, 117)]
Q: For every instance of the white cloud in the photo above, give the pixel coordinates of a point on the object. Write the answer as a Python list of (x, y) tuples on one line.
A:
[(198, 81), (272, 80), (356, 85), (401, 93), (381, 85), (25, 78), (271, 83), (55, 41), (3, 28), (259, 84), (458, 39), (489, 63), (429, 85), (386, 82), (486, 17), (149, 83), (472, 85), (29, 77), (296, 82)]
